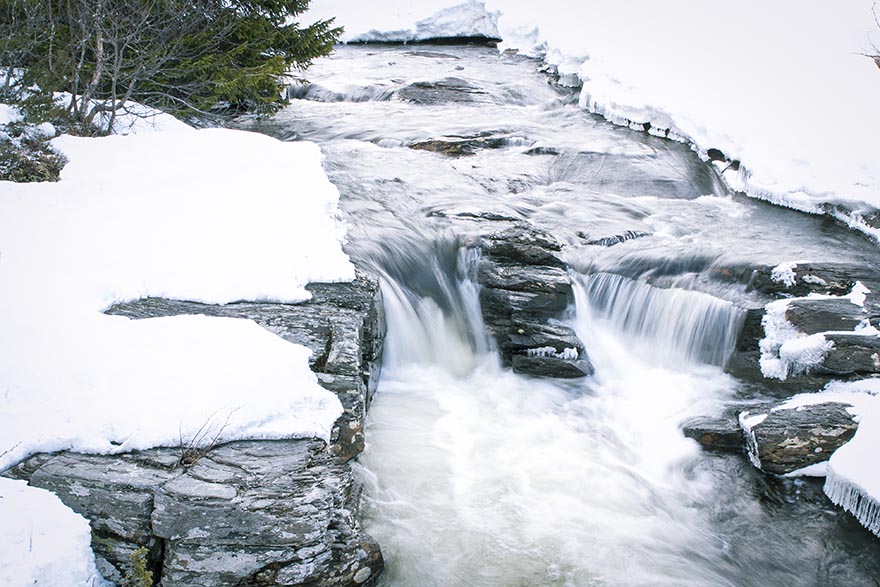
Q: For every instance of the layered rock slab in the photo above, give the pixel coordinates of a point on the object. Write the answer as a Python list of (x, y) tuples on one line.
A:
[(264, 512), (525, 290)]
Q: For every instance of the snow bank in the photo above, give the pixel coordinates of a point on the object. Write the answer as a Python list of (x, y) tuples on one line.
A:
[(213, 216), (780, 86), (853, 478), (397, 21), (42, 542)]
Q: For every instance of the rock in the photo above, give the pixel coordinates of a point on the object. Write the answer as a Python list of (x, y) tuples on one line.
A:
[(813, 316), (852, 355), (450, 89), (246, 513), (342, 324), (788, 439), (610, 241), (525, 288), (459, 146), (722, 434)]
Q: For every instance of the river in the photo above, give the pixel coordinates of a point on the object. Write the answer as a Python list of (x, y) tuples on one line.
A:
[(476, 476)]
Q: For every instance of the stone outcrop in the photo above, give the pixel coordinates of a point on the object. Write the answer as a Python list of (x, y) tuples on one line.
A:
[(250, 513), (852, 354), (343, 326), (245, 513), (524, 288), (781, 440)]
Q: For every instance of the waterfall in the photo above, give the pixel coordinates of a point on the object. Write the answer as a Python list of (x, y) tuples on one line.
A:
[(664, 324), (432, 305)]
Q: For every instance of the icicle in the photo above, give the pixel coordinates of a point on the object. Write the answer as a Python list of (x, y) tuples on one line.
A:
[(747, 422), (851, 498)]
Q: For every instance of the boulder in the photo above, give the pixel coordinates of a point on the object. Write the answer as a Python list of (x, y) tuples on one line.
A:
[(525, 289), (781, 440), (811, 316)]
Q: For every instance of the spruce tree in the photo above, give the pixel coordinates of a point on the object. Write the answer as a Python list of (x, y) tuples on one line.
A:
[(191, 58)]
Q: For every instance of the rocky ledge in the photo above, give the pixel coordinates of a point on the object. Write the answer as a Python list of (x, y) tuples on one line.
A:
[(525, 289), (250, 513)]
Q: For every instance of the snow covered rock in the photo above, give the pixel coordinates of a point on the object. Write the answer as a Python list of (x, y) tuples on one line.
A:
[(782, 440), (828, 331), (342, 324)]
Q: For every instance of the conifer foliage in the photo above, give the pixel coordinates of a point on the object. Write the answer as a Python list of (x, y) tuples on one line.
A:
[(183, 56)]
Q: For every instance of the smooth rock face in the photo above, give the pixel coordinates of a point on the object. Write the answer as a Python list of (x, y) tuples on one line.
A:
[(791, 439), (450, 89), (813, 316), (524, 288), (342, 324)]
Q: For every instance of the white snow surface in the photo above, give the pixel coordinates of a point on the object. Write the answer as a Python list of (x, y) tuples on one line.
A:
[(42, 541), (398, 21), (853, 478), (213, 216), (783, 87)]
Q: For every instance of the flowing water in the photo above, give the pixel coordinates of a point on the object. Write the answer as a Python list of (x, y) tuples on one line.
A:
[(476, 476)]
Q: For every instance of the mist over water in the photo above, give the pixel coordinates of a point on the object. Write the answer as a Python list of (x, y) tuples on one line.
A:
[(478, 477)]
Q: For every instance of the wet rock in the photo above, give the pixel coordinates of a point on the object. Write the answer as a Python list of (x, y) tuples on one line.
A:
[(459, 146), (525, 289), (722, 434), (814, 316), (343, 326), (821, 278), (782, 440), (610, 241), (450, 89), (245, 513), (852, 355)]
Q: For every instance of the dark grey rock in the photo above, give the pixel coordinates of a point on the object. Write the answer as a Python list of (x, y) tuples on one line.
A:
[(722, 434), (525, 289), (794, 438), (852, 355), (450, 89), (246, 513), (551, 366), (610, 241), (814, 316), (459, 146)]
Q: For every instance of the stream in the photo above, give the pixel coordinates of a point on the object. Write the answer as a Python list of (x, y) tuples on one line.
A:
[(476, 476)]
